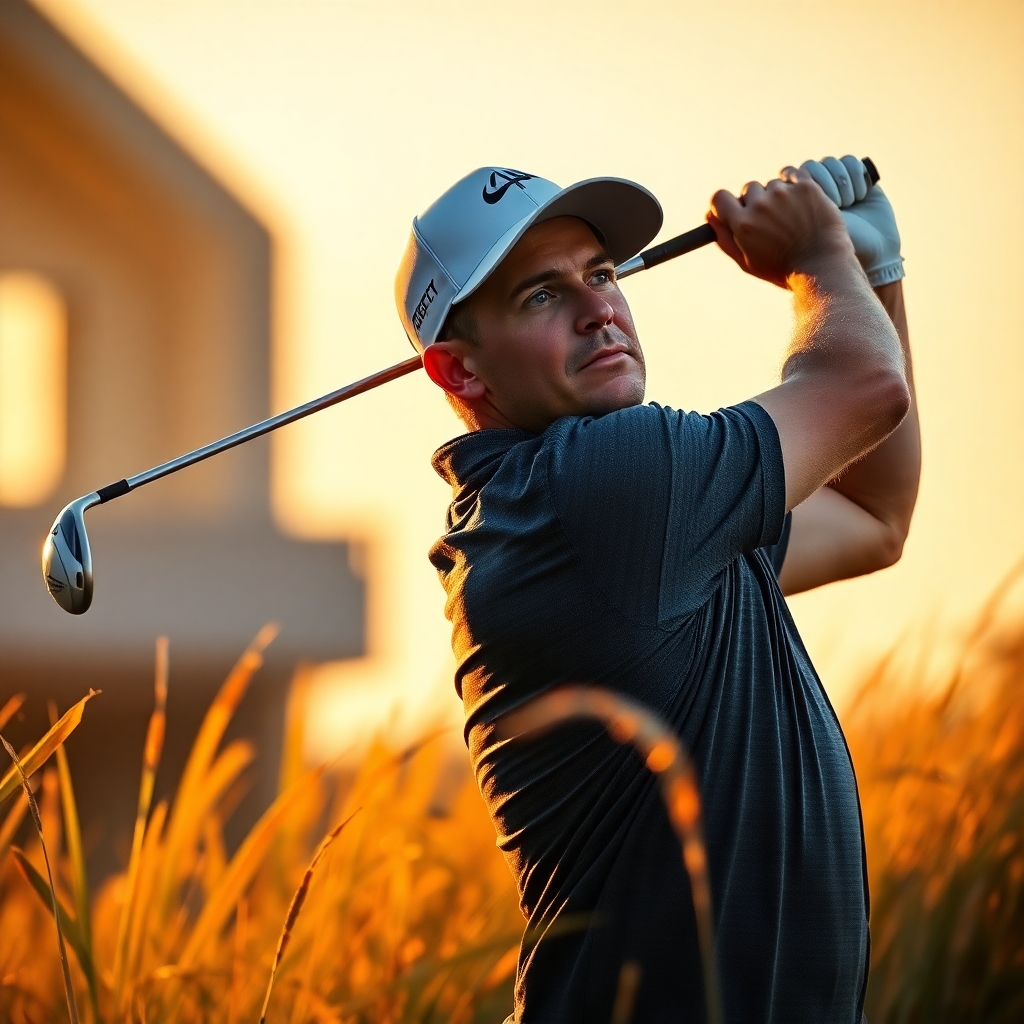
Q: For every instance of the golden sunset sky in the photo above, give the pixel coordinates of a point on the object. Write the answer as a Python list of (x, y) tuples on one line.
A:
[(337, 121)]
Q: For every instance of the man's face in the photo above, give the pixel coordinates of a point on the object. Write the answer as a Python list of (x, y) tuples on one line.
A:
[(554, 333)]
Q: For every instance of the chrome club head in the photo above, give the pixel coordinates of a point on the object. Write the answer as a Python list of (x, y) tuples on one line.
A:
[(67, 559)]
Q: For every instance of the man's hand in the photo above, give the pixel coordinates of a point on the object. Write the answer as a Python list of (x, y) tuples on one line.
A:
[(867, 212), (787, 227)]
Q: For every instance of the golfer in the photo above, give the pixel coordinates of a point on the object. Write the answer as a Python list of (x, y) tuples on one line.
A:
[(595, 539)]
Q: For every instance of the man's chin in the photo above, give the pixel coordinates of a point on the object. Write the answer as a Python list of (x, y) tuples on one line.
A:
[(623, 392)]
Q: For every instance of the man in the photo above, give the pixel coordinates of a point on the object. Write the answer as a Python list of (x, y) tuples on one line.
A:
[(595, 539)]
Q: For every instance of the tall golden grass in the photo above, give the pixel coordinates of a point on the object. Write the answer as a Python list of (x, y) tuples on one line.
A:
[(409, 914), (380, 897), (940, 759)]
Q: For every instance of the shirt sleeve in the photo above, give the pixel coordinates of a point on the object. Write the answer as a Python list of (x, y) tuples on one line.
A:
[(658, 503), (777, 552)]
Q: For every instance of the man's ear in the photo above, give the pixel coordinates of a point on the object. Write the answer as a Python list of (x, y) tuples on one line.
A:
[(444, 364)]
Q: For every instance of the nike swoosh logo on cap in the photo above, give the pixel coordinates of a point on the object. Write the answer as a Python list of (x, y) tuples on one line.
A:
[(493, 192)]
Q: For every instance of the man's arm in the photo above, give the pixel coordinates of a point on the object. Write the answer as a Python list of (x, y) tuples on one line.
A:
[(844, 389), (859, 521)]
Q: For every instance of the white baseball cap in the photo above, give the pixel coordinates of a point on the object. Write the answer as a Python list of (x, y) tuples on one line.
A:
[(461, 238)]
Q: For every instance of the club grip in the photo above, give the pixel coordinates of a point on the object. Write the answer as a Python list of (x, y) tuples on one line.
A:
[(705, 235), (686, 242)]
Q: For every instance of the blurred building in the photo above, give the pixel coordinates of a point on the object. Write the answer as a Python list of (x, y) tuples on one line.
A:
[(135, 324)]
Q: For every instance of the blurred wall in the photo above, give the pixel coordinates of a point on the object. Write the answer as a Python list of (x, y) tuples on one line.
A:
[(166, 282)]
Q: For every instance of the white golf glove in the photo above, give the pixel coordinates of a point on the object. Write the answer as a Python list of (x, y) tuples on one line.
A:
[(867, 212)]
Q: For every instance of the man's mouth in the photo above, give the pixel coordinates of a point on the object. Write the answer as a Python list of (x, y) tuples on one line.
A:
[(605, 355)]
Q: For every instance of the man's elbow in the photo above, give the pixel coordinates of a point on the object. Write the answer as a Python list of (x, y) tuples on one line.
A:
[(890, 548), (894, 400), (887, 404)]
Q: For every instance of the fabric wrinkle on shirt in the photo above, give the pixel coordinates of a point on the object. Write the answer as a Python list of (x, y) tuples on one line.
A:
[(639, 551)]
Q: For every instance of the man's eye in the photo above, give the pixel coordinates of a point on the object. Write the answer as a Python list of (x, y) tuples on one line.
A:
[(540, 298), (601, 277)]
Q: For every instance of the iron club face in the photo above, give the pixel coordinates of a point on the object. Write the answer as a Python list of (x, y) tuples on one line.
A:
[(67, 558)]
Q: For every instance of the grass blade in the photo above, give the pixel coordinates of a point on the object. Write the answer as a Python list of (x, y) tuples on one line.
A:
[(10, 826), (70, 926), (149, 862), (10, 709), (38, 755), (292, 755), (150, 763), (240, 871), (184, 821), (295, 908), (68, 990), (79, 878), (222, 709), (237, 959)]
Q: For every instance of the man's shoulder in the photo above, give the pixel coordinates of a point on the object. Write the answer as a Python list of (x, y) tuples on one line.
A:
[(651, 432), (477, 456), (632, 455), (623, 426), (635, 420), (639, 439)]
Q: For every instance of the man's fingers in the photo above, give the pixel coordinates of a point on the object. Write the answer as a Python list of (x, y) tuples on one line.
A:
[(858, 176), (752, 190), (724, 237), (841, 176), (726, 211), (792, 175), (823, 179), (726, 207)]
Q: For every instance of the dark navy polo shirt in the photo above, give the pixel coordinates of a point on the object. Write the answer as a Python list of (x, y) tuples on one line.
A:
[(634, 551)]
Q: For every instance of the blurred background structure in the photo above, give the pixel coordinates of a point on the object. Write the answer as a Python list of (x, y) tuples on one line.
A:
[(135, 320), (334, 121)]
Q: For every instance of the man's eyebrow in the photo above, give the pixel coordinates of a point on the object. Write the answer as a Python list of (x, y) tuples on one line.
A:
[(599, 259)]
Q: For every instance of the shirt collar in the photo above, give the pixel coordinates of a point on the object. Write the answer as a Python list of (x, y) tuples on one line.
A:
[(470, 460)]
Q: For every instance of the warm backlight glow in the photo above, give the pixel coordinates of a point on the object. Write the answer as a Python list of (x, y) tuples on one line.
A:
[(33, 388), (334, 121)]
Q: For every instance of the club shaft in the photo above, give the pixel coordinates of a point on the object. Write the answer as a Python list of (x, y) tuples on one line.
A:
[(686, 242), (263, 427)]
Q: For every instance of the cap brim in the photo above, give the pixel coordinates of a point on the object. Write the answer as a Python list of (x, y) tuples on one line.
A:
[(625, 214)]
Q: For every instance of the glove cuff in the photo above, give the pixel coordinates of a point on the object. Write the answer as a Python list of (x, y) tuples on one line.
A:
[(888, 274)]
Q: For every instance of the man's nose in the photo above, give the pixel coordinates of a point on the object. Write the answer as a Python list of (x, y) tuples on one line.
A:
[(595, 313)]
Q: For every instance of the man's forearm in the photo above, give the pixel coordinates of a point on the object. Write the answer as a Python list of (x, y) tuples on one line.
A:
[(885, 482), (843, 376), (839, 326)]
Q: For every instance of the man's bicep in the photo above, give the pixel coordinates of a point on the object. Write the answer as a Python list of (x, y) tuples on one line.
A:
[(826, 421), (809, 422), (832, 538)]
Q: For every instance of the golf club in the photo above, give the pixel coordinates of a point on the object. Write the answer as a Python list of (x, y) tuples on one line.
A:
[(67, 557)]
